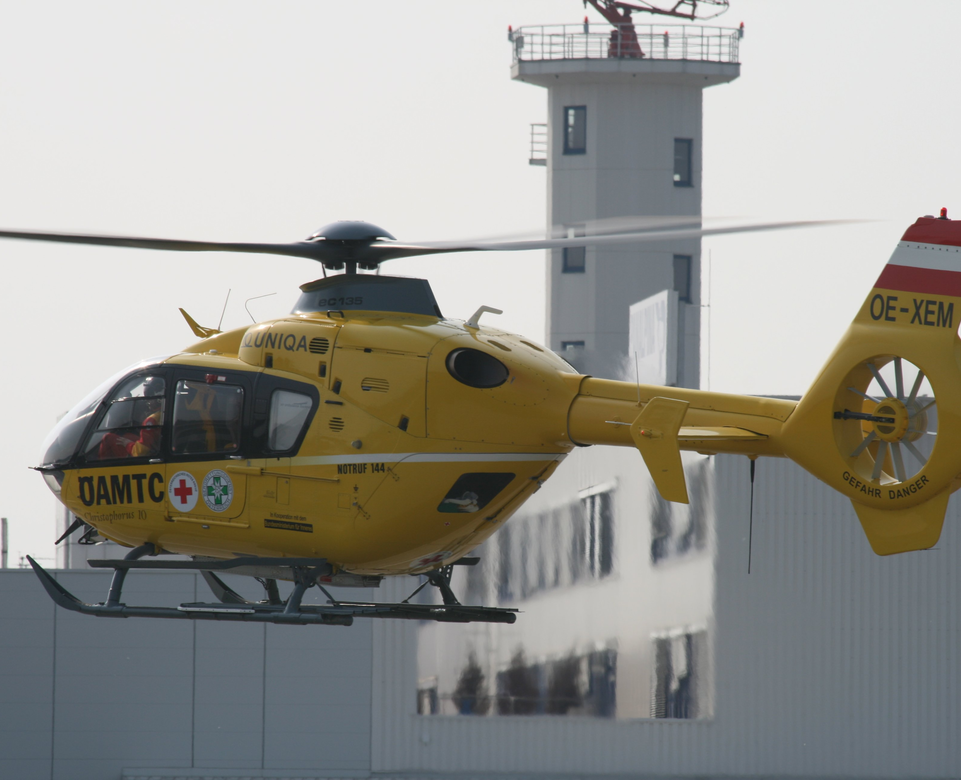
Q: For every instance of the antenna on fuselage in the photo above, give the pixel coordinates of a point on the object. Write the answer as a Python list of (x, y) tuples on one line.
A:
[(222, 313), (267, 295)]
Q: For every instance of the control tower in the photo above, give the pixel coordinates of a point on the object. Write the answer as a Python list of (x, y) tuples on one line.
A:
[(623, 139)]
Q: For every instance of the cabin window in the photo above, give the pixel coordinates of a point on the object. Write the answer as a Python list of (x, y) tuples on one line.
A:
[(477, 369), (472, 492), (132, 424), (288, 414), (207, 418)]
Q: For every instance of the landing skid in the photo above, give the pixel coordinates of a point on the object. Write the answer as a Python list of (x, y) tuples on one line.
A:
[(231, 606)]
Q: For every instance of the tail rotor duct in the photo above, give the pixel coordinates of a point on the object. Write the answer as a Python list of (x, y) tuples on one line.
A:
[(886, 420)]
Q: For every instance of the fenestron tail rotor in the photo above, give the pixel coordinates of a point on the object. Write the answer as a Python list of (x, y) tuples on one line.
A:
[(886, 421)]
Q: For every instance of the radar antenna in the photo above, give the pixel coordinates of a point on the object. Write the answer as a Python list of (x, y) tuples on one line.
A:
[(618, 12), (624, 41)]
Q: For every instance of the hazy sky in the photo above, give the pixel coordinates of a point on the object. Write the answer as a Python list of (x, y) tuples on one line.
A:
[(263, 121)]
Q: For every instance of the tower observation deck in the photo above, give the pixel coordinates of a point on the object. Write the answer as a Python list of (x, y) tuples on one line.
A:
[(624, 139)]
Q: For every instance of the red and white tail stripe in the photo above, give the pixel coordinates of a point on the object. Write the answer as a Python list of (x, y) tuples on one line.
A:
[(927, 259)]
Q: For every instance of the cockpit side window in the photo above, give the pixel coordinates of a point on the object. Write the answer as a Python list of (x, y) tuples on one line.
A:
[(132, 425), (207, 418), (289, 412)]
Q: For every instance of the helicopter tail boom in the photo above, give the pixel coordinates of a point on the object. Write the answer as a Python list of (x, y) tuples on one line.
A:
[(662, 421), (870, 424)]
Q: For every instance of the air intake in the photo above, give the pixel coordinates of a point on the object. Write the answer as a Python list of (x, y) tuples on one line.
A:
[(336, 424), (371, 385), (319, 345)]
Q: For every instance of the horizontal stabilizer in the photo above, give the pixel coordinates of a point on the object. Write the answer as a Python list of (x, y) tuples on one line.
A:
[(655, 435), (719, 433), (893, 531)]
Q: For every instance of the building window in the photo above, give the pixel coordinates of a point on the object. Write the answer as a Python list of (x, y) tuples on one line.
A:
[(575, 257), (680, 687), (575, 129), (682, 277), (573, 353), (579, 685), (682, 162), (678, 529), (428, 702), (599, 513)]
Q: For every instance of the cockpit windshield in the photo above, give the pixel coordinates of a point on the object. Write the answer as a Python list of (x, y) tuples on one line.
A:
[(62, 442)]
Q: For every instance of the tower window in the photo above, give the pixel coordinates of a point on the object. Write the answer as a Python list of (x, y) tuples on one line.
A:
[(575, 257), (570, 346), (682, 162), (575, 129), (682, 277)]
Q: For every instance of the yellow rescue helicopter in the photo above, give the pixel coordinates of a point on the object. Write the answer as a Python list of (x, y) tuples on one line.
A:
[(366, 435)]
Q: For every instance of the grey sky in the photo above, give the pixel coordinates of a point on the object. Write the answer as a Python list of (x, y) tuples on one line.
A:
[(253, 121)]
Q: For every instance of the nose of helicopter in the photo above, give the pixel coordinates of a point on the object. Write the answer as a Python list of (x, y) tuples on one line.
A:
[(63, 442)]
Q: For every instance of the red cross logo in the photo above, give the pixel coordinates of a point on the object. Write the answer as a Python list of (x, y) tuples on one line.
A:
[(183, 492)]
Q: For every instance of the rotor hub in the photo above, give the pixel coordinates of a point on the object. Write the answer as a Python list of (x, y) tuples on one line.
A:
[(895, 410), (891, 413)]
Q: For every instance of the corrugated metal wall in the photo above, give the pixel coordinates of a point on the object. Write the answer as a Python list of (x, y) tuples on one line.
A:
[(83, 697), (829, 660)]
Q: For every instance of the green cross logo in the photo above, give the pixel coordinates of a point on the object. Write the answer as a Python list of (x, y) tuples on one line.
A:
[(217, 491)]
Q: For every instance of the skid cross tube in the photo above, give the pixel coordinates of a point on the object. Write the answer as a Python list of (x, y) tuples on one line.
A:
[(233, 607)]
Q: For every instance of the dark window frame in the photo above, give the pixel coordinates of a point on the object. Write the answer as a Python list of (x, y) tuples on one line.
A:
[(684, 153), (569, 129), (231, 380), (260, 414), (93, 427), (684, 295), (574, 260)]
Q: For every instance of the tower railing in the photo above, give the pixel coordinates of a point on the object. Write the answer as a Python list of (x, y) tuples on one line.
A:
[(629, 41), (538, 153)]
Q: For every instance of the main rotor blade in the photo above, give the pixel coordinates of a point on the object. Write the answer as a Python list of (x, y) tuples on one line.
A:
[(631, 237), (297, 249), (594, 227), (370, 254)]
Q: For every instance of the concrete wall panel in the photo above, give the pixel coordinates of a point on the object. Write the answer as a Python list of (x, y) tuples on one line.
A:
[(83, 697)]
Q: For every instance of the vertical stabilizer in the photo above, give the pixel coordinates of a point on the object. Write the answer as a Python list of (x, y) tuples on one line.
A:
[(879, 422)]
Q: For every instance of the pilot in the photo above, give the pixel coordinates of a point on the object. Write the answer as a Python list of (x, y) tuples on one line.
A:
[(148, 441)]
